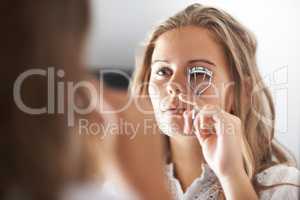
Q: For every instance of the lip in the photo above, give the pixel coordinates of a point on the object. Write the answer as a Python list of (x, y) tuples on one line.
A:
[(174, 111)]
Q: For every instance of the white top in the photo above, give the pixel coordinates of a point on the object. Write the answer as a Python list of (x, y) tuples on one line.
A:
[(203, 188), (207, 186), (97, 190)]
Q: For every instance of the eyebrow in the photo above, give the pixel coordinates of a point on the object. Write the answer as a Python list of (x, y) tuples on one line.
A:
[(155, 61), (201, 60), (189, 62)]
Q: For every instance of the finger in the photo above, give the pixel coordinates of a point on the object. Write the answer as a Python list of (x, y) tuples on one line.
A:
[(209, 110), (202, 134), (188, 122), (227, 123), (206, 116), (196, 124)]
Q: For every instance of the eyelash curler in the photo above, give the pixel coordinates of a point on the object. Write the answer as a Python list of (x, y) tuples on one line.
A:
[(199, 80)]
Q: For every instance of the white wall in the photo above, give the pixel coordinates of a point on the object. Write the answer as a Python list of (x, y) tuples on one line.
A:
[(119, 27)]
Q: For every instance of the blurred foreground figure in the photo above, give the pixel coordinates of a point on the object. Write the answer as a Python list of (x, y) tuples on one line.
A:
[(44, 87)]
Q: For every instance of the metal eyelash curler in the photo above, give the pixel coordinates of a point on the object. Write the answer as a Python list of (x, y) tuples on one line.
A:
[(199, 79)]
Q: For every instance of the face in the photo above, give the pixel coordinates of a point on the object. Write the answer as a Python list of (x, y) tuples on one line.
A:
[(175, 53)]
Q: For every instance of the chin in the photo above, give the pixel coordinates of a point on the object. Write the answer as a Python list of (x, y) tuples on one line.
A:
[(171, 126)]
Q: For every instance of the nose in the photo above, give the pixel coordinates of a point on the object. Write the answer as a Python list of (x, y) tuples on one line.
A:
[(174, 87), (176, 84)]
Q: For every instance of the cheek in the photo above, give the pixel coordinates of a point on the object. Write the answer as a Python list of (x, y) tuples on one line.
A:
[(213, 95), (156, 91), (169, 125), (154, 94), (171, 128), (218, 93)]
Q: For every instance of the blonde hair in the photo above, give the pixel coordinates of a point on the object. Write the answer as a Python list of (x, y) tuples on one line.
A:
[(260, 150)]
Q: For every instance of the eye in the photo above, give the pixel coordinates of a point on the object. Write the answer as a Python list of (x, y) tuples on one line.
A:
[(199, 79), (199, 72), (163, 71)]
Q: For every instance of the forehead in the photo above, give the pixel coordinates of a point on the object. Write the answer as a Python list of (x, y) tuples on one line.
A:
[(188, 43)]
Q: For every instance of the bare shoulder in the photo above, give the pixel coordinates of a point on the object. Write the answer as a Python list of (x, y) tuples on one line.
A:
[(288, 179), (278, 174)]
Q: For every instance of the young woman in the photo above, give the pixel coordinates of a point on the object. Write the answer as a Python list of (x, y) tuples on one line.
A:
[(200, 71)]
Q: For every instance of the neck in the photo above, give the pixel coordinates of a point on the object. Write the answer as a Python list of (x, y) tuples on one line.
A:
[(186, 155)]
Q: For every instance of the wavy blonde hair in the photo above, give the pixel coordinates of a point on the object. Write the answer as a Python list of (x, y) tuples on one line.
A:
[(260, 149)]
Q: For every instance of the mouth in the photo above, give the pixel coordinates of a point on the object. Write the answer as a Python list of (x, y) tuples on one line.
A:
[(175, 111)]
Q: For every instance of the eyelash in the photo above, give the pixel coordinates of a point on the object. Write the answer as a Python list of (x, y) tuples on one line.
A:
[(201, 66), (165, 70)]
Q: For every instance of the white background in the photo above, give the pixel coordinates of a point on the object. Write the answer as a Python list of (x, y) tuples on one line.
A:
[(119, 28)]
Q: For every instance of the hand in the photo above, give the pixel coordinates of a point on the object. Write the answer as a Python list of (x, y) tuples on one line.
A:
[(220, 137)]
